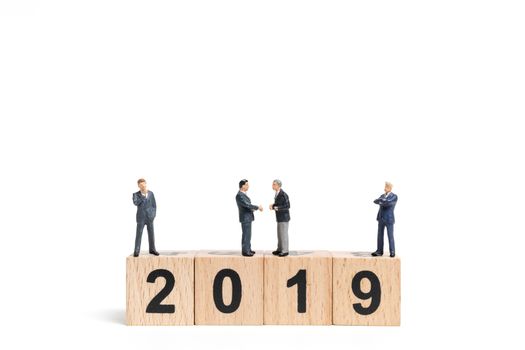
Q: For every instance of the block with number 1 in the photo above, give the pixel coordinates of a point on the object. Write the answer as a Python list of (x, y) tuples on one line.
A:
[(298, 288)]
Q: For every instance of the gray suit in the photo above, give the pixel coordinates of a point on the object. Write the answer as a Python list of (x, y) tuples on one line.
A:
[(146, 212)]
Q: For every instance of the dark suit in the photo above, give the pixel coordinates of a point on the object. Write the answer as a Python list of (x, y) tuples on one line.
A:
[(281, 206), (246, 217), (146, 211), (385, 218), (282, 202)]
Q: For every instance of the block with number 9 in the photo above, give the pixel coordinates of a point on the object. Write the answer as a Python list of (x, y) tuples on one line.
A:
[(367, 290)]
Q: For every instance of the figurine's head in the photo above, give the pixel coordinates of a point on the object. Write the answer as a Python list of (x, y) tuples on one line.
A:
[(388, 187), (276, 185), (243, 185), (142, 185)]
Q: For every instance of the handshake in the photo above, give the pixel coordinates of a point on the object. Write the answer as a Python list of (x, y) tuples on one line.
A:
[(261, 208)]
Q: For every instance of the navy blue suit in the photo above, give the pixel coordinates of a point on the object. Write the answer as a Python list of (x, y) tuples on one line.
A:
[(146, 212), (246, 217), (386, 218)]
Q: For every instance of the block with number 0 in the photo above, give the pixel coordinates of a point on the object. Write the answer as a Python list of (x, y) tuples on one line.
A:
[(367, 290), (228, 288), (160, 289), (298, 288)]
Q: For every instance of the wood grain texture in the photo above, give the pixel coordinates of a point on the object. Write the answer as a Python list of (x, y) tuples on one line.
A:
[(250, 271), (280, 302), (388, 270), (140, 292)]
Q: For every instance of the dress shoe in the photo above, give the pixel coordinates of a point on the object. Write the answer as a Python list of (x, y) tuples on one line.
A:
[(247, 254), (283, 254), (392, 255), (376, 253), (276, 252), (135, 254), (154, 252)]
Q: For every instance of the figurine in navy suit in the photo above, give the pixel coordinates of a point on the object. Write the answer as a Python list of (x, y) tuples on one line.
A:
[(385, 218), (146, 211), (246, 209)]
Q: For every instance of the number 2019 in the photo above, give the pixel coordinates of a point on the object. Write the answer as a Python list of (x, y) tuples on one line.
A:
[(299, 279)]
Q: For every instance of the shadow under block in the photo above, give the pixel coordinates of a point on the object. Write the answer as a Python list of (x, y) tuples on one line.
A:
[(367, 290), (228, 288), (160, 289), (298, 288)]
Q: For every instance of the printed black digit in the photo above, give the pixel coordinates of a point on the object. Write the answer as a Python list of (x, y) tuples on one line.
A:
[(155, 306), (374, 294), (300, 280), (236, 291)]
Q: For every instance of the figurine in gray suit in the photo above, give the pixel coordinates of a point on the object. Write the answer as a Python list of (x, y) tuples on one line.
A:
[(146, 211), (246, 209)]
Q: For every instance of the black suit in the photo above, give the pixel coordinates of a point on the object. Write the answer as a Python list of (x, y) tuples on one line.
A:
[(281, 206), (146, 212), (246, 217), (282, 202)]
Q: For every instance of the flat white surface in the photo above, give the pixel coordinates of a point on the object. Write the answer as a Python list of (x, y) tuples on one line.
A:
[(331, 97)]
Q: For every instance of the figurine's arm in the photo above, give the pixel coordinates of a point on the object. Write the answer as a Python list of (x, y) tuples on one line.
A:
[(244, 203), (137, 199), (153, 202), (388, 202), (284, 206), (378, 201)]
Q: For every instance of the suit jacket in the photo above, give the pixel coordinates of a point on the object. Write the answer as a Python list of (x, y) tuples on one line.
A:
[(245, 206), (282, 213), (146, 207), (386, 208)]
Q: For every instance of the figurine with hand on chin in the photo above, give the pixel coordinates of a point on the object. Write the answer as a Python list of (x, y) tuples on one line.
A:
[(385, 218), (146, 211)]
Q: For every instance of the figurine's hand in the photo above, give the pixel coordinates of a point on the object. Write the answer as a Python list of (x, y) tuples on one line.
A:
[(260, 208), (271, 206)]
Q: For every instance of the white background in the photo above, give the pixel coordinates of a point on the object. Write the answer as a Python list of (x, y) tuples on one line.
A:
[(332, 97)]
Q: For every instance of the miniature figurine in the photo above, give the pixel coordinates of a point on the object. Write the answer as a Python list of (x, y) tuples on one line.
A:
[(385, 218), (246, 217), (281, 206), (146, 211)]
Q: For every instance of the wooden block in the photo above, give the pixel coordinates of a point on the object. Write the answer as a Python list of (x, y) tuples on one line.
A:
[(160, 289), (367, 290), (298, 288), (228, 288)]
